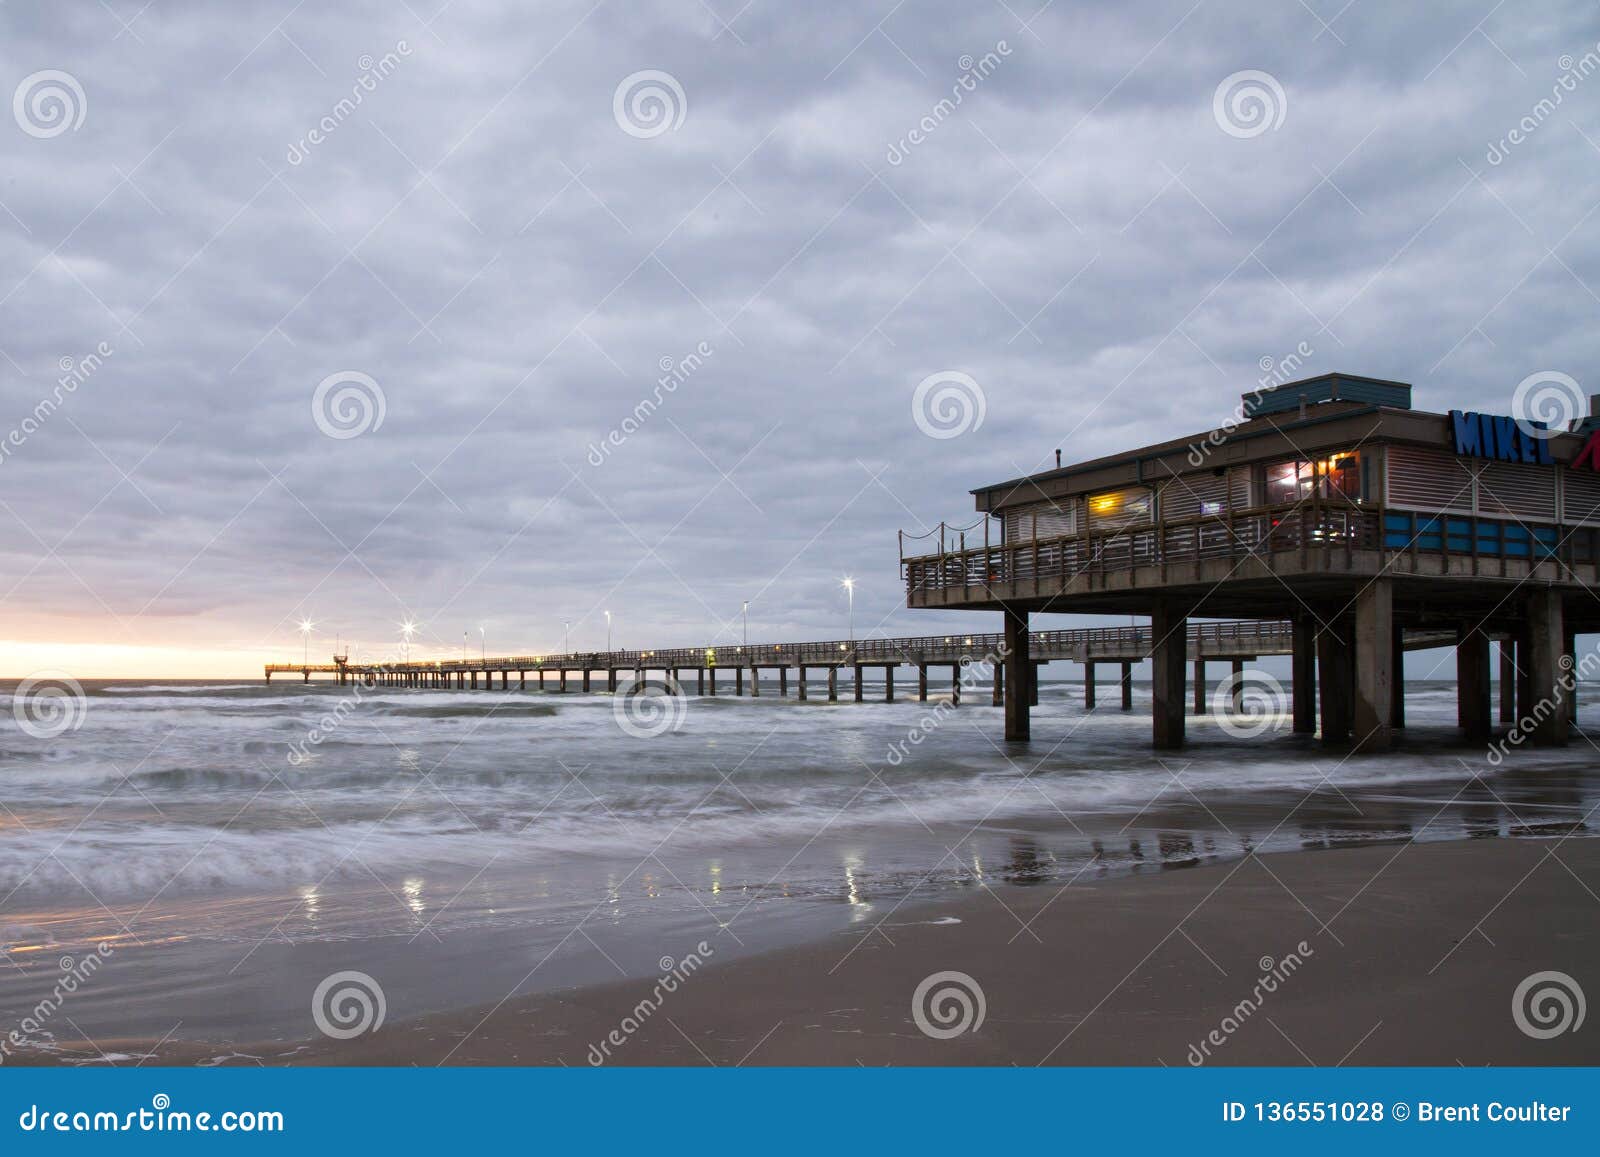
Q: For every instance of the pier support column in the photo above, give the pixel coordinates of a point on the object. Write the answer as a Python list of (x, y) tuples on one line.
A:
[(562, 687), (1018, 674), (611, 678), (1127, 686), (738, 680), (699, 680), (1236, 703), (1333, 680), (833, 683), (1569, 649), (1303, 674), (1547, 635), (800, 683), (1169, 629), (1374, 657), (755, 681), (858, 682), (955, 684), (1397, 702), (1088, 686), (997, 681), (586, 680), (1033, 683), (922, 682), (1472, 683), (711, 682), (888, 684), (474, 680), (1508, 680), (783, 682), (1199, 686)]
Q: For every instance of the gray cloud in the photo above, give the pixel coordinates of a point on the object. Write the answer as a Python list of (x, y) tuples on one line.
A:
[(481, 238)]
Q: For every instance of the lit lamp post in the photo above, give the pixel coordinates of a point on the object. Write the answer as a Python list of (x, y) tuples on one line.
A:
[(608, 631), (483, 644), (849, 585), (747, 624), (305, 634), (407, 629), (566, 637)]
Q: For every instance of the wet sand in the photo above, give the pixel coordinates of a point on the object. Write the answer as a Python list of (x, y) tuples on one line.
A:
[(1411, 955)]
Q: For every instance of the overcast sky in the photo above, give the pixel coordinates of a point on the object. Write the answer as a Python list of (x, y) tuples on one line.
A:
[(509, 248)]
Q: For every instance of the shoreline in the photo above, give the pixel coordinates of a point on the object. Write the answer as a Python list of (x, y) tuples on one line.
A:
[(1402, 953)]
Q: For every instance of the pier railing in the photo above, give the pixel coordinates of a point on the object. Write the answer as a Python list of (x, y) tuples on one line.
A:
[(1261, 530), (1252, 637)]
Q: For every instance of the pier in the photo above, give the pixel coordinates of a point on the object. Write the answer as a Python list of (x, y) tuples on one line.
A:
[(1329, 503), (1094, 648)]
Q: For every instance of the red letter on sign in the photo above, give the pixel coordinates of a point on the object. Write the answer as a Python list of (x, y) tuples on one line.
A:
[(1589, 456)]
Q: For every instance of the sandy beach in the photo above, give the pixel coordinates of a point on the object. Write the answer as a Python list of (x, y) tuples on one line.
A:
[(1398, 954)]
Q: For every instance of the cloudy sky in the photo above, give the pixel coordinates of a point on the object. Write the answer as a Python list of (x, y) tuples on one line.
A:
[(489, 231)]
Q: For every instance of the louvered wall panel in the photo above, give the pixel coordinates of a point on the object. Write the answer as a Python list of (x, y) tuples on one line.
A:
[(1054, 520), (1191, 495), (1424, 479), (1580, 501), (1518, 491)]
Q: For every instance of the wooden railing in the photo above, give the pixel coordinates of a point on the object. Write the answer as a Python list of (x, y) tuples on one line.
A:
[(1320, 525)]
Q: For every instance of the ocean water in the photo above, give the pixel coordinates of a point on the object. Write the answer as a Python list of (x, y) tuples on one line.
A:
[(221, 847)]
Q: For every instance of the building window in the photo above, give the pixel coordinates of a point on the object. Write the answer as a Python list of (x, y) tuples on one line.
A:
[(1291, 481)]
